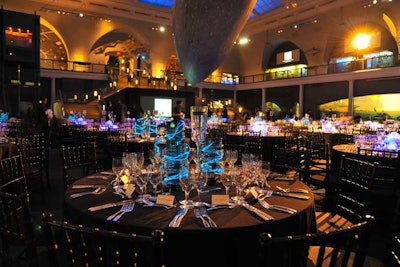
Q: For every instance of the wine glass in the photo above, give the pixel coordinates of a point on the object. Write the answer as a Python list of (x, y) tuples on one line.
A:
[(139, 159), (224, 160), (199, 181), (186, 186), (240, 181), (232, 157), (117, 166), (226, 180), (155, 180), (141, 181)]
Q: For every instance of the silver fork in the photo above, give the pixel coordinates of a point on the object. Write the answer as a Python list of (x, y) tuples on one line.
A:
[(266, 205), (124, 207), (129, 208), (203, 213), (199, 216)]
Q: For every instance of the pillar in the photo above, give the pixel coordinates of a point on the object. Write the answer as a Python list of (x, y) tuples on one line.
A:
[(350, 108)]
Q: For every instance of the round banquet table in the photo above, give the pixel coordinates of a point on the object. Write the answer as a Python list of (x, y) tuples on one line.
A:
[(350, 151), (233, 243)]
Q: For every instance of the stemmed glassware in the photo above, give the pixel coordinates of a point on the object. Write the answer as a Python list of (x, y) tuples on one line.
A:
[(186, 186), (139, 159), (240, 181), (199, 181), (232, 157), (226, 179), (140, 181), (155, 180), (117, 166)]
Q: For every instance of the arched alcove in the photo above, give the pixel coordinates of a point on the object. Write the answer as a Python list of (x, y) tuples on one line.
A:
[(53, 49), (384, 41)]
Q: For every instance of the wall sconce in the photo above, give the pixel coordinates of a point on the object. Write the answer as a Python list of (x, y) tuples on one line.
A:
[(115, 83), (136, 82), (95, 93), (75, 97), (86, 96), (175, 87)]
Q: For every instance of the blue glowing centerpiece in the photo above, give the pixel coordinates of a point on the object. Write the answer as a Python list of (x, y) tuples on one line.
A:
[(212, 152), (177, 151)]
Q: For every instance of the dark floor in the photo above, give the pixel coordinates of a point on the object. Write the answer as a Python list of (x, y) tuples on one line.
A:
[(52, 201)]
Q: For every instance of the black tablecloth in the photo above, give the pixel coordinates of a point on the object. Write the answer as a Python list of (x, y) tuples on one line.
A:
[(233, 243)]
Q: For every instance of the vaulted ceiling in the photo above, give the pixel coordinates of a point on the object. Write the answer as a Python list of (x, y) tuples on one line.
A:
[(267, 14)]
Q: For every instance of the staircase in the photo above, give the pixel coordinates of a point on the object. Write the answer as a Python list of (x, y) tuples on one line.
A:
[(93, 110)]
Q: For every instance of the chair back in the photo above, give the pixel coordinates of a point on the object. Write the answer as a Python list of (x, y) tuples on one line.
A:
[(77, 245), (291, 161), (353, 196), (34, 156), (16, 230), (341, 247), (253, 143), (394, 252), (75, 163), (11, 168), (32, 149)]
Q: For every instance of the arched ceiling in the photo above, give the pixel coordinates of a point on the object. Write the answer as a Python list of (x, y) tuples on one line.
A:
[(267, 14)]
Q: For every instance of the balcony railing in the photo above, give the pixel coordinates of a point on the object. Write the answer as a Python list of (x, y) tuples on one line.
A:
[(349, 66)]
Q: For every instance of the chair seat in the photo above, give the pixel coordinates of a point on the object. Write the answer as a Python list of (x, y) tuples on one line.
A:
[(328, 221), (313, 256), (32, 170)]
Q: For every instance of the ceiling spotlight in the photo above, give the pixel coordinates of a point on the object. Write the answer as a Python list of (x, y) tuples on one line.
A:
[(243, 41)]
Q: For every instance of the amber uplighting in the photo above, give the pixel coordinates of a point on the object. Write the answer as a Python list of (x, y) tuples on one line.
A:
[(18, 33), (361, 41)]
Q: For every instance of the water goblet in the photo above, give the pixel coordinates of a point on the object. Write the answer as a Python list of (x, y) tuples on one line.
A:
[(232, 157), (186, 186), (141, 181), (155, 180), (226, 180), (117, 166), (199, 180), (139, 159), (240, 181)]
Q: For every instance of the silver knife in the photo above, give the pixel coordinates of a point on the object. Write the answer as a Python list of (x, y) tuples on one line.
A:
[(84, 186), (108, 205), (176, 217), (178, 221), (292, 195), (210, 190), (292, 190), (260, 213), (283, 179)]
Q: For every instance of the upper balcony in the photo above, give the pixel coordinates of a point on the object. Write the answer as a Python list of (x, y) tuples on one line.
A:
[(292, 75)]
